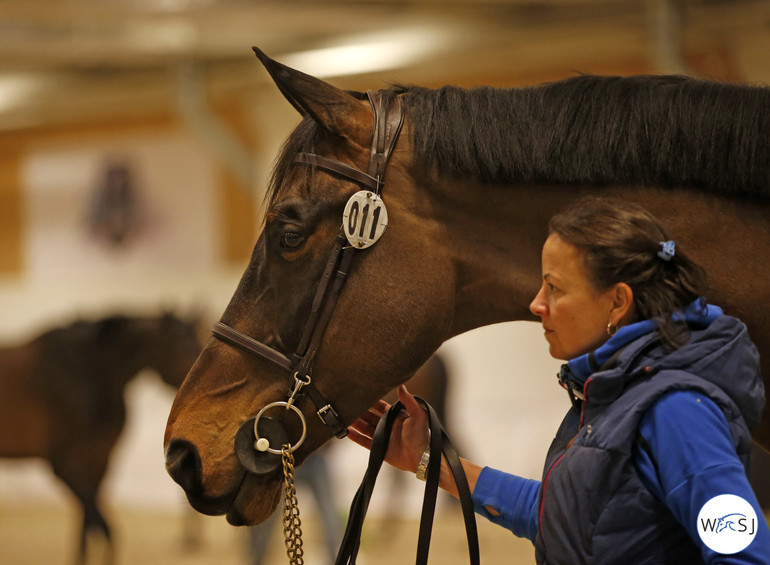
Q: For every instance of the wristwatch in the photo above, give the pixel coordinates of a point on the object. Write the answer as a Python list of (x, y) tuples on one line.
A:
[(422, 466)]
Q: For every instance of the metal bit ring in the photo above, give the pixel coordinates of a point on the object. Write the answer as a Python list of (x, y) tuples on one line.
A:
[(288, 407)]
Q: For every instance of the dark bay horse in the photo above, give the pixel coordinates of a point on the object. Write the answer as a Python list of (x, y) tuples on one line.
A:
[(62, 396), (469, 187)]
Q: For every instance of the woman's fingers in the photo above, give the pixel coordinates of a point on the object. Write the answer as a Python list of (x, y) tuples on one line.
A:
[(366, 424), (361, 439), (409, 434), (412, 406), (380, 407), (370, 417)]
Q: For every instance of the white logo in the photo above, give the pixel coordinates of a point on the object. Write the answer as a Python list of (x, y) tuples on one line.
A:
[(727, 524)]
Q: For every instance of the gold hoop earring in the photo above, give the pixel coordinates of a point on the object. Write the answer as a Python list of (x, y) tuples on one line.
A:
[(611, 331)]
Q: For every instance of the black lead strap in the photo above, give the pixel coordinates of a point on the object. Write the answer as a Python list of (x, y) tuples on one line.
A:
[(439, 443)]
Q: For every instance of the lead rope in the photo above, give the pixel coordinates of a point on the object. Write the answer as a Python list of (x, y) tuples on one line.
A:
[(439, 442), (292, 525)]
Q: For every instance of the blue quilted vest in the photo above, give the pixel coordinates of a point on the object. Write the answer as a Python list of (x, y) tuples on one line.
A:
[(593, 507)]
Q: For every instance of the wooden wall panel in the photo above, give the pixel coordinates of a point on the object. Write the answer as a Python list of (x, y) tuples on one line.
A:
[(11, 210), (238, 220), (237, 206), (238, 203)]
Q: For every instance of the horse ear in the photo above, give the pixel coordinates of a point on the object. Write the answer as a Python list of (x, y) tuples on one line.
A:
[(334, 109)]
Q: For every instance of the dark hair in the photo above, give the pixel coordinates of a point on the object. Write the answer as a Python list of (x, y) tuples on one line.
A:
[(620, 242), (661, 131)]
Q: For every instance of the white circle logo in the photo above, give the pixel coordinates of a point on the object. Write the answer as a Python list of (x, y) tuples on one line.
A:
[(727, 524)]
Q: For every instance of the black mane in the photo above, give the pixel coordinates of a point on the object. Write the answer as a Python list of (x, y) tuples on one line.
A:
[(645, 130), (667, 131)]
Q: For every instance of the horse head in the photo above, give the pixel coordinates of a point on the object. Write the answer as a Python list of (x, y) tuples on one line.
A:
[(381, 330)]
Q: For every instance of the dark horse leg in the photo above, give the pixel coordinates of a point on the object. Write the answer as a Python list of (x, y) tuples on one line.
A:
[(84, 481), (93, 521)]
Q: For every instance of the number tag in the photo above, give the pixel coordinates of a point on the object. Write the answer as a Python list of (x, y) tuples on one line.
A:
[(364, 219)]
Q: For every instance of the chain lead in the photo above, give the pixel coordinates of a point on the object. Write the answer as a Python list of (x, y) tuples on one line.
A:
[(292, 526)]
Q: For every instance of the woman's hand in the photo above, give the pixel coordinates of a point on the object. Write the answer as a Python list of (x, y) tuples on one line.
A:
[(408, 438)]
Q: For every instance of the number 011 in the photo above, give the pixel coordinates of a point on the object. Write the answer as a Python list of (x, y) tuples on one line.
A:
[(365, 219)]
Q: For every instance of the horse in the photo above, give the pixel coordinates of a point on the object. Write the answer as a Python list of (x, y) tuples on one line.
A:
[(469, 186), (63, 397)]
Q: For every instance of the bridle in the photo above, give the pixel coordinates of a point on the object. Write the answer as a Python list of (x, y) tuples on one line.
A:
[(253, 454), (387, 126)]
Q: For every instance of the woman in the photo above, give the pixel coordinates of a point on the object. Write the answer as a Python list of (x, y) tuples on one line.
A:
[(649, 464)]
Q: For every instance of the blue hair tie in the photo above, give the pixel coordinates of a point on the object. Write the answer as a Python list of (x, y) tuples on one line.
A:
[(668, 250)]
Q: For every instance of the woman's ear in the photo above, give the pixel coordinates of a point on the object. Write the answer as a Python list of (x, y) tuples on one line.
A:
[(622, 304)]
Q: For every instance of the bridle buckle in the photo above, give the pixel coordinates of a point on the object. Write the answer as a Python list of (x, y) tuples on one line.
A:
[(331, 419)]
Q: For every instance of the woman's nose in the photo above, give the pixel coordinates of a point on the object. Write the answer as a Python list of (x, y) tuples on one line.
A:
[(537, 306)]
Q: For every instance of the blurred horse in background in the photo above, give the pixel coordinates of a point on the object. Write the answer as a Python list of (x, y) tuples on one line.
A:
[(62, 397)]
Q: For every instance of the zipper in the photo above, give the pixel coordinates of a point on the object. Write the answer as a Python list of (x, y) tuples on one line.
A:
[(548, 475), (542, 498), (585, 401)]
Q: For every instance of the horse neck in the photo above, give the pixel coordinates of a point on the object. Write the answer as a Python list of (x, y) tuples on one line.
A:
[(135, 350), (494, 235)]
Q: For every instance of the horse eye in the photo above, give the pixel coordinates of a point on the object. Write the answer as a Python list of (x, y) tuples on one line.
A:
[(291, 239)]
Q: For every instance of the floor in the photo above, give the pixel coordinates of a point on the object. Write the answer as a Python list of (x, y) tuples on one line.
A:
[(32, 536)]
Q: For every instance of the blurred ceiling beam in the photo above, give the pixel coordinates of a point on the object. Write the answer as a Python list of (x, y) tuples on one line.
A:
[(70, 60)]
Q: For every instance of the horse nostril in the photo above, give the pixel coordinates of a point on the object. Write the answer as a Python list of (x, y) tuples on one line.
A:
[(183, 463)]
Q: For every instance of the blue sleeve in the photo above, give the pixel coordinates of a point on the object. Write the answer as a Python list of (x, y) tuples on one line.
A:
[(690, 459), (514, 497)]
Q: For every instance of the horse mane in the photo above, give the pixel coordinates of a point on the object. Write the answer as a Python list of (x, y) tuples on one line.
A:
[(306, 137), (111, 327), (666, 131)]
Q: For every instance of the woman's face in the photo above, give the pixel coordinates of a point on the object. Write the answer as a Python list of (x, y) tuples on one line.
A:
[(574, 313)]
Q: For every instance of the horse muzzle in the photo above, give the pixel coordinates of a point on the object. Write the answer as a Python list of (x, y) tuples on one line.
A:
[(249, 500), (183, 464), (258, 446)]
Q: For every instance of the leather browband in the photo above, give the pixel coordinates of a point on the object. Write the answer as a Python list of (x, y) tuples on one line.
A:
[(338, 167)]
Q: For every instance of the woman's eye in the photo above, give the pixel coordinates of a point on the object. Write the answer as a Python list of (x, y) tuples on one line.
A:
[(291, 240)]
